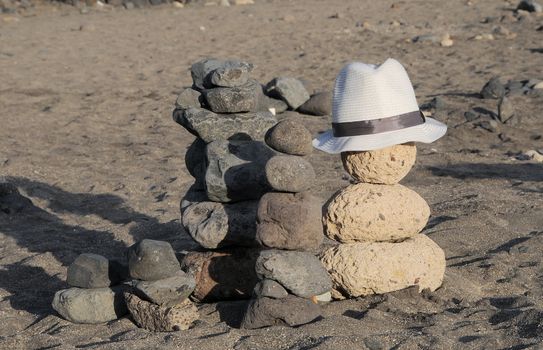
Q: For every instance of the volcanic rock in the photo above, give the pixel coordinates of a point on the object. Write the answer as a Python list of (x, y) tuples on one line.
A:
[(290, 90), (203, 70), (189, 98), (151, 260), (493, 89), (270, 289), (231, 76), (368, 212), (289, 174), (236, 170), (158, 318), (318, 104), (360, 269), (383, 166), (301, 273), (291, 137), (94, 271), (226, 275), (166, 292), (211, 126), (97, 305), (290, 221), (291, 311), (234, 99), (218, 225)]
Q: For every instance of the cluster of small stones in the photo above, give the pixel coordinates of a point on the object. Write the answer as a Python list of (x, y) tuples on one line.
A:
[(151, 287), (378, 223), (249, 205)]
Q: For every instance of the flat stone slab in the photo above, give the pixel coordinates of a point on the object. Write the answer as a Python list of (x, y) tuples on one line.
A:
[(210, 126), (166, 292), (301, 273), (290, 311)]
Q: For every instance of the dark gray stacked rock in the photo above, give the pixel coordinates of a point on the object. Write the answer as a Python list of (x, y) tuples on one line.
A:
[(250, 195), (292, 279), (96, 295), (158, 297), (230, 115)]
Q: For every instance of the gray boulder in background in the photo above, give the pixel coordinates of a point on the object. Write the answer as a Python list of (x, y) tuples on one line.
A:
[(290, 90)]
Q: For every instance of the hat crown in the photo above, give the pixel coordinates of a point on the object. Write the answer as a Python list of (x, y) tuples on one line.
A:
[(367, 92)]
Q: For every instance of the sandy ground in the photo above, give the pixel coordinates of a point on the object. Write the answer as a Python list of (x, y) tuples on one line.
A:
[(86, 133)]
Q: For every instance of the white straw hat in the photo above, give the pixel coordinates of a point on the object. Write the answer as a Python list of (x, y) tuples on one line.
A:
[(375, 107)]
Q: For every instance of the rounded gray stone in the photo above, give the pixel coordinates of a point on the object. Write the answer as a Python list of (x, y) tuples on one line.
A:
[(301, 273), (218, 225), (290, 137), (151, 260), (96, 305), (290, 90), (92, 271), (289, 174)]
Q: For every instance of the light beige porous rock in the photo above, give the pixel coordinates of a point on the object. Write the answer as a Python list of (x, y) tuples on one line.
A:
[(383, 166), (360, 269), (161, 318), (368, 212)]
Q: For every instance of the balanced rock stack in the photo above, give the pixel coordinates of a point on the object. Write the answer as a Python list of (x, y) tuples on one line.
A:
[(96, 295), (250, 194), (378, 223), (229, 114), (158, 300), (292, 280), (156, 294)]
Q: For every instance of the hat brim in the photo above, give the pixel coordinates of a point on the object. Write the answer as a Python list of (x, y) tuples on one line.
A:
[(428, 132)]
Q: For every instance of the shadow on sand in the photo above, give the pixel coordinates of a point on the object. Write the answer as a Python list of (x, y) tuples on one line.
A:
[(41, 231)]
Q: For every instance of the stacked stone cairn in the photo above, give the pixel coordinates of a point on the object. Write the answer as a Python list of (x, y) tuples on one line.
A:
[(155, 295), (249, 208), (96, 293), (378, 223)]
